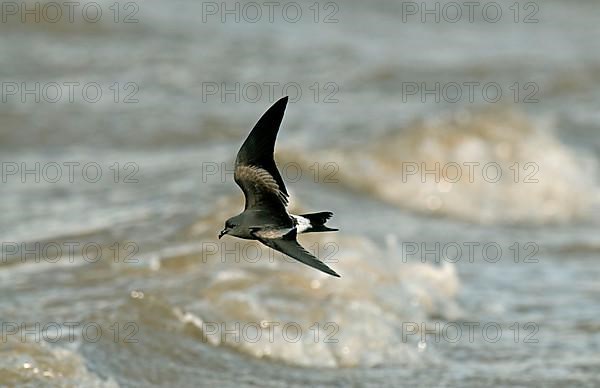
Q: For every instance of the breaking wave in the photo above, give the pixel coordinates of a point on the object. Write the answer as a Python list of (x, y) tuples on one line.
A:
[(485, 167)]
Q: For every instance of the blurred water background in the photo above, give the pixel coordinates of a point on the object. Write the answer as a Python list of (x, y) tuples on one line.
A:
[(162, 129)]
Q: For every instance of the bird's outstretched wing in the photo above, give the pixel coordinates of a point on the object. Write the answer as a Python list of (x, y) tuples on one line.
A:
[(288, 245), (255, 169)]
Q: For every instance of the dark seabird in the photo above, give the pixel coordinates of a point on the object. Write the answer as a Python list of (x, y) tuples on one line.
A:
[(265, 217)]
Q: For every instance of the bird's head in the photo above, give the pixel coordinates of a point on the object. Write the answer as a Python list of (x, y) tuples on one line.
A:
[(230, 225)]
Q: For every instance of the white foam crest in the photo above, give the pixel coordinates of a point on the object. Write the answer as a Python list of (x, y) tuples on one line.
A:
[(358, 317)]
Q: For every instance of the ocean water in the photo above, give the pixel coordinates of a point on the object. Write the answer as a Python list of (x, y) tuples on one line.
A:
[(469, 235)]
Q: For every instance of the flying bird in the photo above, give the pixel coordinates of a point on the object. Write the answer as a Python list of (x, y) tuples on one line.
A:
[(265, 217)]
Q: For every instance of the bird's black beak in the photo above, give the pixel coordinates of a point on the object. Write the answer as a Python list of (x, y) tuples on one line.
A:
[(223, 232)]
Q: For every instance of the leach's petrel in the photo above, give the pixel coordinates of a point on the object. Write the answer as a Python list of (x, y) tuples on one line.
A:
[(265, 217)]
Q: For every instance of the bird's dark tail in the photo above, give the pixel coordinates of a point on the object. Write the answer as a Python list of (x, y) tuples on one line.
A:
[(317, 222)]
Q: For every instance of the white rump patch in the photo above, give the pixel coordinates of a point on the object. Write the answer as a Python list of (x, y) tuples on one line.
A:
[(302, 223)]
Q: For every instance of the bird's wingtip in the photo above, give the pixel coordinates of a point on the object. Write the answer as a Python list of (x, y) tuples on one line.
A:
[(332, 273), (282, 101), (278, 107)]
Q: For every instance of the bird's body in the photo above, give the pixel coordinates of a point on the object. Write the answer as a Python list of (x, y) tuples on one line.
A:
[(264, 222), (256, 220), (265, 217)]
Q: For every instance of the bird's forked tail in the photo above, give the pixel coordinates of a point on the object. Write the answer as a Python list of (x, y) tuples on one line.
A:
[(317, 222)]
